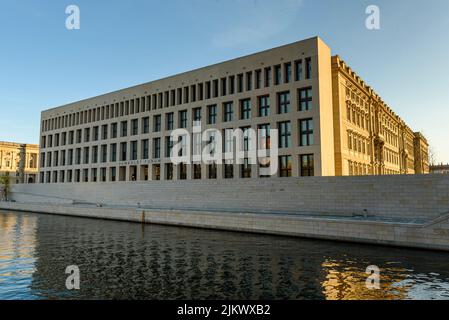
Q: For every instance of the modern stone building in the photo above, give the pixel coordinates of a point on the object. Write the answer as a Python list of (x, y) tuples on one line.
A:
[(329, 122), (19, 161)]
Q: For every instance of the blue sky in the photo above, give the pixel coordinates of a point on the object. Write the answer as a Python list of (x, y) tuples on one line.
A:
[(123, 43)]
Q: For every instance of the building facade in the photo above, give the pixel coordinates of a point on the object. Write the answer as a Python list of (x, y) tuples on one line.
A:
[(19, 161), (440, 168), (370, 139), (298, 89)]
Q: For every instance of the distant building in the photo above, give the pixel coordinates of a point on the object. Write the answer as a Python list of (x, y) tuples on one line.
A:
[(19, 161), (330, 123), (440, 168)]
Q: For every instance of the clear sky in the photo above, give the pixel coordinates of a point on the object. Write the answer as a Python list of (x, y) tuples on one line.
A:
[(124, 43)]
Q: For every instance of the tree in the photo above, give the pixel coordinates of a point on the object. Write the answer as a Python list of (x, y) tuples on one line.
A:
[(5, 186), (432, 156)]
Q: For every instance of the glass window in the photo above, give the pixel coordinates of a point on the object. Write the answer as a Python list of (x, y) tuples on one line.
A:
[(298, 70), (245, 109), (277, 75), (305, 99), (145, 149), (228, 112), (285, 166), (124, 128), (307, 165), (285, 134), (264, 106), (146, 125), (170, 121), (212, 114), (133, 150), (287, 72), (264, 136), (306, 132), (157, 123), (135, 127), (183, 119), (308, 68), (157, 148), (284, 102)]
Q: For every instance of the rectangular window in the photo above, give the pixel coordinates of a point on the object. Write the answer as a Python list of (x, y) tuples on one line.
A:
[(156, 148), (197, 171), (78, 136), (245, 109), (285, 133), (284, 102), (307, 165), (123, 153), (228, 112), (308, 68), (285, 166), (168, 171), (134, 127), (298, 70), (145, 149), (287, 72), (183, 119), (96, 133), (86, 155), (264, 106), (245, 169), (240, 83), (104, 132), (169, 124), (86, 135), (305, 99), (103, 174), (305, 132), (113, 152), (133, 150), (215, 91), (157, 123), (70, 157), (146, 125), (183, 171), (94, 154), (231, 85), (124, 128), (168, 146), (223, 86), (258, 79), (249, 81), (196, 114), (264, 136), (268, 77), (277, 75), (114, 130), (212, 114), (113, 173), (104, 153), (229, 170), (212, 171), (208, 90)]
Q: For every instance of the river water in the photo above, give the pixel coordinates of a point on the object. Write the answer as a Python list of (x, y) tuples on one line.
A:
[(120, 260)]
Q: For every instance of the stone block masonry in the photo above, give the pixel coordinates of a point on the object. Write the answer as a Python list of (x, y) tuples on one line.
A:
[(408, 210)]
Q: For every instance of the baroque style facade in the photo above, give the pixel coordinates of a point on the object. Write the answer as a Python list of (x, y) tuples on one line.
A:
[(19, 161), (329, 123), (370, 138)]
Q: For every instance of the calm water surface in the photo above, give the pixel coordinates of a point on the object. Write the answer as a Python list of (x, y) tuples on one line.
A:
[(120, 260)]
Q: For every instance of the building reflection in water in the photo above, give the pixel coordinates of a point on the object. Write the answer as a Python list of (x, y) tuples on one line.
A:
[(17, 256), (120, 260)]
